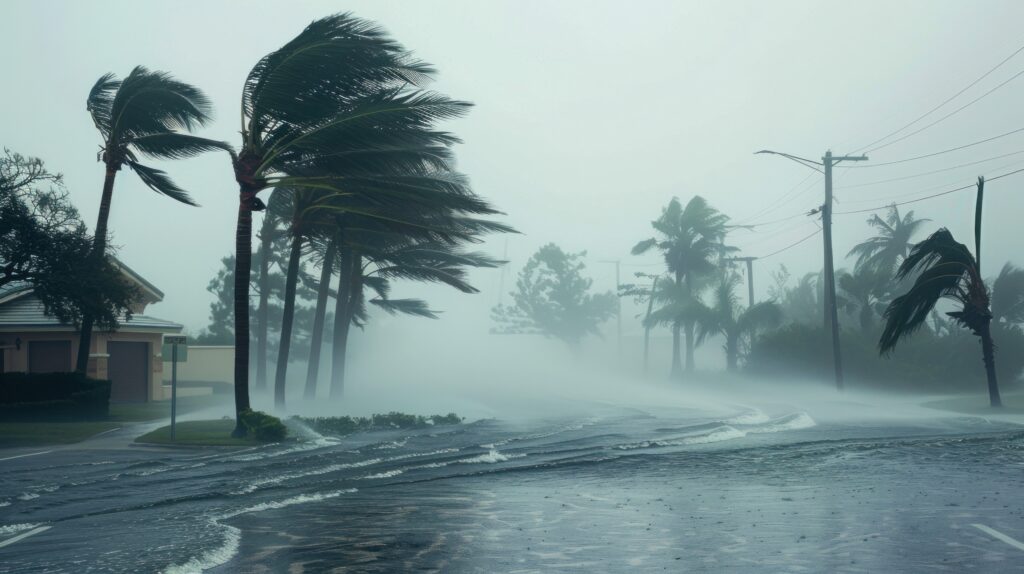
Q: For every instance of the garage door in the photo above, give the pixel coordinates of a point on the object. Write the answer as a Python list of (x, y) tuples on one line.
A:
[(49, 356), (128, 371)]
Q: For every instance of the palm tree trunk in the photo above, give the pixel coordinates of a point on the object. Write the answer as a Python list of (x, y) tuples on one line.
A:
[(243, 272), (99, 248), (342, 322), (989, 356), (677, 365), (313, 367), (732, 352), (263, 311), (287, 319), (689, 331)]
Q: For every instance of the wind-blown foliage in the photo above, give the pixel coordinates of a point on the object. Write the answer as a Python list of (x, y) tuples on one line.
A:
[(145, 114), (552, 298), (1008, 295), (728, 318), (946, 270), (885, 251), (691, 240), (336, 110)]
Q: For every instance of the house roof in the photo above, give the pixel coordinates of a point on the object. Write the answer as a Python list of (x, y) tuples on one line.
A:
[(155, 293), (20, 310)]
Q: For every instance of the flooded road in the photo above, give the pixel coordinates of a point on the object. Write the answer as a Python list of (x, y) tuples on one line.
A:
[(618, 490)]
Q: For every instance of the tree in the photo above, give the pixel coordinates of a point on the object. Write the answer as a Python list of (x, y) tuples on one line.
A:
[(884, 252), (552, 299), (691, 241), (1008, 296), (862, 292), (335, 110), (728, 318), (45, 244), (947, 270), (143, 114)]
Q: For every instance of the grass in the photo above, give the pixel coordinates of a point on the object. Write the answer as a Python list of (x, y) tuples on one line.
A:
[(156, 410), (27, 433), (198, 433), (978, 405)]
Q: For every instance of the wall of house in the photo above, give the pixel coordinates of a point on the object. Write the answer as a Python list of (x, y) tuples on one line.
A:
[(215, 364), (17, 359)]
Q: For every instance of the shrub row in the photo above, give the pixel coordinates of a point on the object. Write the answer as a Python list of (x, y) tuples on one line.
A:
[(393, 420), (58, 394)]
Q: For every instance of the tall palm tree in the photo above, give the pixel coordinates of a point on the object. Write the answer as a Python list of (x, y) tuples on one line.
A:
[(327, 249), (332, 110), (885, 251), (947, 270), (144, 114), (728, 318), (691, 241)]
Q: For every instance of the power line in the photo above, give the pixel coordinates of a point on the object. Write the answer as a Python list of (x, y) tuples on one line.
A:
[(926, 197), (791, 245), (916, 175), (950, 114), (946, 101), (933, 154), (925, 190), (786, 198)]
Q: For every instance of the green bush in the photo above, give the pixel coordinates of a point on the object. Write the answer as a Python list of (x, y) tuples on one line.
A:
[(53, 394), (263, 427), (393, 420)]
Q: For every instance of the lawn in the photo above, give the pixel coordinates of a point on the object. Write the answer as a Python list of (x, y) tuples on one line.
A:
[(198, 433), (156, 410), (978, 405), (26, 433)]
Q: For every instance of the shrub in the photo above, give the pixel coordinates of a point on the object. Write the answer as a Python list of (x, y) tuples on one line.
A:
[(263, 427), (393, 420), (57, 394)]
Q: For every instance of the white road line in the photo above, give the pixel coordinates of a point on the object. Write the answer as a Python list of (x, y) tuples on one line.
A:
[(105, 432), (24, 455), (24, 535), (1000, 536)]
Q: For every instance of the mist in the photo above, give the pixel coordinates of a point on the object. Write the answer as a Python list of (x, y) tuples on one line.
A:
[(532, 286)]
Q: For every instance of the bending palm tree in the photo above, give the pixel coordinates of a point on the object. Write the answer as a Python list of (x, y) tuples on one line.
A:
[(726, 317), (947, 270), (142, 114), (885, 251), (690, 240), (331, 111)]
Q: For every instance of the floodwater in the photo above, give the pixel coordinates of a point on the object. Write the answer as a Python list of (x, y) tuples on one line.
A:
[(614, 490)]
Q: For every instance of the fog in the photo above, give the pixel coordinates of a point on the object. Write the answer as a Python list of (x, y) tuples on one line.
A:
[(595, 453)]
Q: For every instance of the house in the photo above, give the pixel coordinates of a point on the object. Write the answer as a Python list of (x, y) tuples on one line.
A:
[(32, 341)]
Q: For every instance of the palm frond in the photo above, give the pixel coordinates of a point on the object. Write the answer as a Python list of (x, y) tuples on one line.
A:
[(415, 307), (173, 145), (158, 181)]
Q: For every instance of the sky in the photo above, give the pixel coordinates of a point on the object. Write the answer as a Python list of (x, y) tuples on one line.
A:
[(589, 117)]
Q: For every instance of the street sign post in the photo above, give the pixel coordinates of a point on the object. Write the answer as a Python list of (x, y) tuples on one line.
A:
[(174, 341)]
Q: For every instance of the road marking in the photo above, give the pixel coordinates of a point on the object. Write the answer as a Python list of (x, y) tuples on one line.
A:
[(24, 535), (1000, 536), (24, 455), (105, 432)]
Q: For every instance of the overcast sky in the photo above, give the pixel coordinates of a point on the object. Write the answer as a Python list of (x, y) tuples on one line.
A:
[(589, 117)]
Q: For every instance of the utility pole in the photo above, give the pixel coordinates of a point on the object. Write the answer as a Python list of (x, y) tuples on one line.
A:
[(830, 311), (750, 276), (618, 309)]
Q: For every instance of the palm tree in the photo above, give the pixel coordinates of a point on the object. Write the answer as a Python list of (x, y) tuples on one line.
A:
[(947, 270), (727, 318), (885, 251), (1008, 296), (374, 268), (327, 249), (332, 110), (143, 114), (862, 292), (690, 239)]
